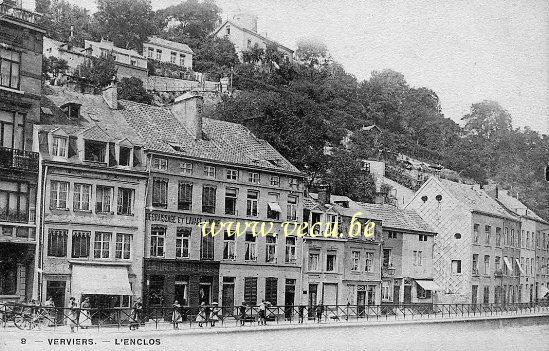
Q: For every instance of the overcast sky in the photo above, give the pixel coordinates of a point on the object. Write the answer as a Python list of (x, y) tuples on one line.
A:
[(466, 51)]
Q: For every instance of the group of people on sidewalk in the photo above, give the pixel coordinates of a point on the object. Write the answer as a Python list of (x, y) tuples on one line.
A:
[(205, 314)]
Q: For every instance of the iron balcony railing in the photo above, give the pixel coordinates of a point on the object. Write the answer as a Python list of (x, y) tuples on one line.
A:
[(49, 318), (19, 159)]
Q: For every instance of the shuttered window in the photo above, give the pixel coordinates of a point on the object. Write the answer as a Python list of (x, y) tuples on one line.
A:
[(250, 290)]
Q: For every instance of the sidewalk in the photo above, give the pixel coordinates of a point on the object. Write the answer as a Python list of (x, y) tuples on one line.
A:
[(166, 329)]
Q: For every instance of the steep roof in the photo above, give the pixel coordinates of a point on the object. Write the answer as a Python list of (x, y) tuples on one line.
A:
[(110, 46), (352, 210), (398, 218), (234, 24), (474, 198), (170, 44), (516, 206)]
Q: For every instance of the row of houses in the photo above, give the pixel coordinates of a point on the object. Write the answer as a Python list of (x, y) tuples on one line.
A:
[(102, 197)]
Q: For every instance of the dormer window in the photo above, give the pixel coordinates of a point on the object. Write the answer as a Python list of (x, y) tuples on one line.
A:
[(344, 204), (228, 30), (72, 110), (94, 151), (125, 156), (60, 146)]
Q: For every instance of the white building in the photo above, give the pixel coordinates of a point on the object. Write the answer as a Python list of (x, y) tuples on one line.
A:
[(168, 51)]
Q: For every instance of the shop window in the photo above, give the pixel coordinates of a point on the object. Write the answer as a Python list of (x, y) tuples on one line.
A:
[(156, 290)]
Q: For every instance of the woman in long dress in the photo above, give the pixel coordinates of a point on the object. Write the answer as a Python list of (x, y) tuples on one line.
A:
[(51, 314), (201, 316), (73, 314), (214, 314), (176, 314), (85, 317)]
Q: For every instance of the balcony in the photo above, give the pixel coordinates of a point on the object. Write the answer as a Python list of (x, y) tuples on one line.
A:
[(9, 10), (20, 160), (387, 271)]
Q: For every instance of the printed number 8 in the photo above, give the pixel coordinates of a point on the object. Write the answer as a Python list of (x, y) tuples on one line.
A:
[(23, 341)]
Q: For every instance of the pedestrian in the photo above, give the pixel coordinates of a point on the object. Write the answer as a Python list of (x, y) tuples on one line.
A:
[(73, 314), (50, 311), (319, 310), (201, 317), (214, 314), (261, 313), (301, 311), (176, 314), (85, 315), (136, 314), (242, 313)]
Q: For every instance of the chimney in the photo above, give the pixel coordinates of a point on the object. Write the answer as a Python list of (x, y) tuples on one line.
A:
[(187, 108), (324, 194), (110, 94)]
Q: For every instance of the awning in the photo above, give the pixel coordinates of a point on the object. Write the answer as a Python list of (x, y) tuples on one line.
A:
[(519, 266), (99, 280), (428, 285), (543, 291), (274, 206), (508, 264)]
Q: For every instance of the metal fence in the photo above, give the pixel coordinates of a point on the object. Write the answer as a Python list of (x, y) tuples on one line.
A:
[(41, 317)]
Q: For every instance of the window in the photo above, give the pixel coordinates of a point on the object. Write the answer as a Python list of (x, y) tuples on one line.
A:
[(232, 174), (290, 256), (387, 258), (14, 201), (208, 199), (422, 293), (160, 193), (456, 266), (253, 177), (249, 43), (273, 206), (12, 129), (59, 192), (125, 201), (182, 242), (10, 62), (486, 264), (251, 203), (229, 246), (275, 181), (512, 241), (498, 236), (150, 53), (228, 30), (156, 290), (250, 248), (313, 262), (81, 197), (422, 237), (369, 262), (475, 264), (182, 60), (331, 261), (486, 298), (209, 171), (57, 242), (159, 163), (271, 287), (475, 233), (250, 291), (158, 235), (230, 201), (355, 260), (292, 208), (270, 249), (418, 258), (488, 233), (506, 236), (60, 146), (207, 247), (103, 196), (292, 182), (497, 263), (80, 244), (393, 235), (185, 196), (173, 56), (158, 54), (186, 168), (124, 156), (386, 291), (94, 151), (101, 245), (123, 246)]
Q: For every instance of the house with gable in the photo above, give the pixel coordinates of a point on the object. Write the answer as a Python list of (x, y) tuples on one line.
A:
[(476, 251)]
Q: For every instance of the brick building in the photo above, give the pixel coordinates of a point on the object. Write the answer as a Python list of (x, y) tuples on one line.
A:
[(20, 84)]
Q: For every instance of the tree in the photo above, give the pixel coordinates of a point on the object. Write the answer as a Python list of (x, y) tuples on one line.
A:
[(127, 23), (53, 67), (488, 120), (191, 21), (57, 18), (132, 89), (97, 72), (312, 51), (255, 55), (215, 57)]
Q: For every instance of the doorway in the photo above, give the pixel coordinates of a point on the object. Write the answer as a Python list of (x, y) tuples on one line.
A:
[(289, 297), (227, 296), (312, 299), (407, 294), (396, 294), (361, 301), (56, 290)]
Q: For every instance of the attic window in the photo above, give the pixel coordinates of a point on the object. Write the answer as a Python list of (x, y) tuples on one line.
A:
[(94, 151), (228, 30), (72, 110), (274, 162), (344, 204), (125, 155)]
